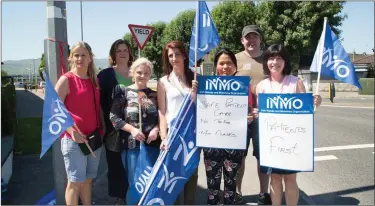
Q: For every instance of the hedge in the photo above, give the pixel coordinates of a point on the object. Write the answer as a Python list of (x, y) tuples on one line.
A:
[(8, 109), (367, 86)]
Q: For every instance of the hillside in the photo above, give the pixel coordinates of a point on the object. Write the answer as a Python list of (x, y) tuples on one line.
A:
[(17, 67)]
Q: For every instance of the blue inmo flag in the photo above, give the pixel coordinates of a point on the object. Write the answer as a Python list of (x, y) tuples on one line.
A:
[(335, 62), (206, 36), (56, 118), (146, 160), (175, 166)]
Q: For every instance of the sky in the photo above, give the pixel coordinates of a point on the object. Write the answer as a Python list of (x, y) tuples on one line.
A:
[(24, 24)]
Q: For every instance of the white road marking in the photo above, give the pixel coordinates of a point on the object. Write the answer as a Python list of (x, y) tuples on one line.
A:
[(324, 105), (358, 146), (326, 157)]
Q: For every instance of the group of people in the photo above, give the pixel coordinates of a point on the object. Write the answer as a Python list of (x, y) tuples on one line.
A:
[(130, 115)]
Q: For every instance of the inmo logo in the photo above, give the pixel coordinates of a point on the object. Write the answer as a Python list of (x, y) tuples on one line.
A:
[(339, 66), (284, 103), (218, 84), (58, 119)]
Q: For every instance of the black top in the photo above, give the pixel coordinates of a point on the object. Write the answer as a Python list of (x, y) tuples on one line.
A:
[(125, 109), (107, 82)]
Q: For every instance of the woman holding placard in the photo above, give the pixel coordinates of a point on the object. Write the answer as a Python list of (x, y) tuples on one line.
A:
[(227, 161), (277, 65)]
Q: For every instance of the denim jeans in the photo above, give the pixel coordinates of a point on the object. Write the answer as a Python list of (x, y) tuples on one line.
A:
[(129, 159)]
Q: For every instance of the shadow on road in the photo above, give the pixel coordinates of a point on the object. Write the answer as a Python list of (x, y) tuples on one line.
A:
[(32, 178), (28, 104), (335, 198)]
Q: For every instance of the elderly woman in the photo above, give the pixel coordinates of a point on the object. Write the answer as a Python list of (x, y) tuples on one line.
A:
[(134, 110)]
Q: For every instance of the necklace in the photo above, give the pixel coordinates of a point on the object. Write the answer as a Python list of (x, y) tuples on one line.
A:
[(180, 79)]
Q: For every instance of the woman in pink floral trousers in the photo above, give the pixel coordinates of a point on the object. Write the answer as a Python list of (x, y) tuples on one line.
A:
[(217, 161), (227, 161)]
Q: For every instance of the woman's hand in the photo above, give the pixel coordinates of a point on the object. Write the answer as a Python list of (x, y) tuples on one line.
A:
[(317, 100), (78, 137), (194, 85), (250, 118), (138, 135), (153, 135), (163, 145), (255, 113)]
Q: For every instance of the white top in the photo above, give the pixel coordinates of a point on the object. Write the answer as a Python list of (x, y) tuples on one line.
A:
[(174, 94), (288, 85)]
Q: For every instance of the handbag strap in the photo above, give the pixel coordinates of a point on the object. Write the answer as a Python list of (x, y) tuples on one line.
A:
[(96, 114), (173, 82)]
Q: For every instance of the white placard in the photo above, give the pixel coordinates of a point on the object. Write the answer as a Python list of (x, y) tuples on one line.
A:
[(221, 117), (286, 131), (285, 140)]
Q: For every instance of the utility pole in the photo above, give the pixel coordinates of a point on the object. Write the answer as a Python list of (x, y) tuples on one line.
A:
[(81, 21), (57, 33), (33, 77)]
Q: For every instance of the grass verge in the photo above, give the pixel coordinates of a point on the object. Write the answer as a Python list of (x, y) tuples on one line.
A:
[(28, 136)]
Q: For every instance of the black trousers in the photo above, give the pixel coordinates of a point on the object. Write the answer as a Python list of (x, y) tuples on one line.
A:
[(218, 161), (117, 178)]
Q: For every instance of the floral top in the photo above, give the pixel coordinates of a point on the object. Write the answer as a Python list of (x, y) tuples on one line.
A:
[(125, 109)]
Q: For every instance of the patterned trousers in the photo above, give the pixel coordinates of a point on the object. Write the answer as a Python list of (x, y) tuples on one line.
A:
[(218, 161)]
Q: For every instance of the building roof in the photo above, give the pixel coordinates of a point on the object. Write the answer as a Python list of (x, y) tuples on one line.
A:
[(369, 59), (354, 56)]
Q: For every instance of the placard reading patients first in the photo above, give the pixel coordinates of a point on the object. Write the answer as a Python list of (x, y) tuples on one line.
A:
[(222, 108), (286, 131)]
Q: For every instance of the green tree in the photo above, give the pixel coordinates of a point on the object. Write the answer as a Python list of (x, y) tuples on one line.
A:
[(229, 18), (298, 24), (154, 47), (41, 67), (133, 44), (371, 71), (4, 73), (180, 28), (42, 63)]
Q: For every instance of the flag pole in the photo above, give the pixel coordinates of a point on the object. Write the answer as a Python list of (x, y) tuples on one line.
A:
[(320, 58), (196, 39), (81, 21)]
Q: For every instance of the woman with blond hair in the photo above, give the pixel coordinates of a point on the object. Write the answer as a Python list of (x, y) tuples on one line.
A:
[(80, 85), (135, 111)]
